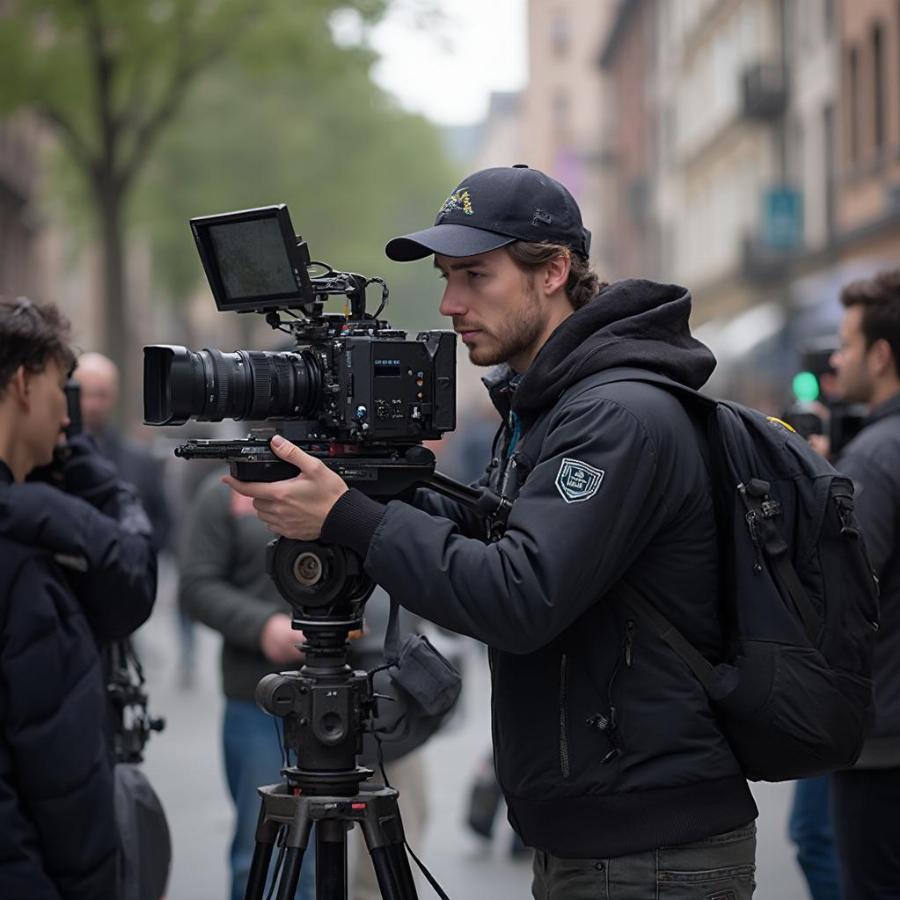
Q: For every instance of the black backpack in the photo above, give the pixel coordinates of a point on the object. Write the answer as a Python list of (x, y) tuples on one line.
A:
[(793, 691)]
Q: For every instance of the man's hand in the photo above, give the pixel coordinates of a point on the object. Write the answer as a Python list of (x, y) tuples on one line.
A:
[(821, 444), (295, 508), (278, 641)]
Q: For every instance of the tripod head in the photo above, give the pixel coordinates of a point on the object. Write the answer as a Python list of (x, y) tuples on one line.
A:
[(326, 705)]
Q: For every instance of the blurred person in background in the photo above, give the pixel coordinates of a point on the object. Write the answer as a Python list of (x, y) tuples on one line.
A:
[(98, 377), (76, 570), (866, 798)]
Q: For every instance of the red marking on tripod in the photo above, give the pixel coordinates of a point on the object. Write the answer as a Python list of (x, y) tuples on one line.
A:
[(358, 806)]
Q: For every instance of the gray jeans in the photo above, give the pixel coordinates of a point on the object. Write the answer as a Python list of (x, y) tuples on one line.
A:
[(717, 868)]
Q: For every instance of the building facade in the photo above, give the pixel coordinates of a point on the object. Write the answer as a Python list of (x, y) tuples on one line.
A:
[(564, 103)]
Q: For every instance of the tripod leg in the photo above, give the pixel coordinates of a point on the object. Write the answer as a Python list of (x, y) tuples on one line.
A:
[(393, 872), (331, 859), (266, 832), (384, 838), (290, 874)]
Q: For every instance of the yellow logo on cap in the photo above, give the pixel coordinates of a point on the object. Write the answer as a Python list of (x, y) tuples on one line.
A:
[(458, 200)]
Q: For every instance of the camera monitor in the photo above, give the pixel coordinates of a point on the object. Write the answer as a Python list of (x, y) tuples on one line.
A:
[(253, 261)]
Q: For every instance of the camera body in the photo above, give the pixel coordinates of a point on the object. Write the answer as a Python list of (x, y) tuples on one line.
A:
[(349, 380)]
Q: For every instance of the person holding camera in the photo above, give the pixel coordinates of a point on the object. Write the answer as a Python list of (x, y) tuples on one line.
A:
[(865, 799), (610, 758), (76, 569)]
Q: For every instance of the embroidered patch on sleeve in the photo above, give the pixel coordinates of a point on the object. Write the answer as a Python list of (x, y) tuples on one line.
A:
[(577, 481)]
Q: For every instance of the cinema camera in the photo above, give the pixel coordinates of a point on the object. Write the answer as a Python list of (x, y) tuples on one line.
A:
[(362, 397)]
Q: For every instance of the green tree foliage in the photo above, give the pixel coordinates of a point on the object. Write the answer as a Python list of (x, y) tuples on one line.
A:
[(111, 75), (354, 169)]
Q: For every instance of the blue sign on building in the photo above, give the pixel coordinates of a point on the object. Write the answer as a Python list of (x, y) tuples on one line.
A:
[(782, 218)]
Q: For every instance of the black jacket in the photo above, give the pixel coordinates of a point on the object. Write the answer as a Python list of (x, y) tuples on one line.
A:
[(70, 577), (872, 460), (605, 744)]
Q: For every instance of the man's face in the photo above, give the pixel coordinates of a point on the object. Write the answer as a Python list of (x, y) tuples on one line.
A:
[(495, 307), (47, 413), (852, 361), (98, 397)]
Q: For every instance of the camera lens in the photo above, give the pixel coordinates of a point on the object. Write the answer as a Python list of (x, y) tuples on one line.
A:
[(209, 385)]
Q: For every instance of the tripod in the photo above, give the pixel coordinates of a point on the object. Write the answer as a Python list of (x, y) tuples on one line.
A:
[(325, 707)]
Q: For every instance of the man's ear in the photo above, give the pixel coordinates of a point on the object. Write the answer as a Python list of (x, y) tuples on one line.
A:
[(556, 273), (882, 357), (19, 387)]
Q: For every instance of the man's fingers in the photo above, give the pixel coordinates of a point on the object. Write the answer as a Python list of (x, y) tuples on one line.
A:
[(291, 453), (248, 488)]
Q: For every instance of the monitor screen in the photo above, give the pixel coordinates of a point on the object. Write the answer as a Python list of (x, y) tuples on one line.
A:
[(252, 260)]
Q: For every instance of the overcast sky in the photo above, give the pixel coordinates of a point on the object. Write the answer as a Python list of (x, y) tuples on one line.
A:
[(448, 74)]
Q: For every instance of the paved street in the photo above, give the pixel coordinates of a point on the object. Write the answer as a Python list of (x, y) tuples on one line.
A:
[(185, 766)]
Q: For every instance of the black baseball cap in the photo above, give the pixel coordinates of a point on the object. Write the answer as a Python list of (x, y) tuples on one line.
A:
[(493, 208)]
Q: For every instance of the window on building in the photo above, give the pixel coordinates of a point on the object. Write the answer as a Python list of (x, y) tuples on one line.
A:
[(560, 109), (878, 110), (561, 34), (853, 105), (828, 168), (828, 17)]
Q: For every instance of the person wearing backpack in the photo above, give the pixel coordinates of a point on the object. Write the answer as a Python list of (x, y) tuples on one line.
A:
[(866, 798), (611, 759)]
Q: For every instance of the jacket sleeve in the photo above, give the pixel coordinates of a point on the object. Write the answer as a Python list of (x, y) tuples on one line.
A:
[(57, 828), (435, 504), (581, 519), (110, 558), (206, 588), (875, 502)]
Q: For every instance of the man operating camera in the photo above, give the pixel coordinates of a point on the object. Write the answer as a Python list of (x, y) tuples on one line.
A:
[(608, 753)]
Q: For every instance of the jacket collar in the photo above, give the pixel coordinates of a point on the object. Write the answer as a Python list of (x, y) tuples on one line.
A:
[(501, 383), (890, 407), (6, 475)]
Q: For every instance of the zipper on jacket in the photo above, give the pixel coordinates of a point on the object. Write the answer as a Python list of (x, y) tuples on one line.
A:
[(515, 432), (629, 641), (563, 717), (609, 724)]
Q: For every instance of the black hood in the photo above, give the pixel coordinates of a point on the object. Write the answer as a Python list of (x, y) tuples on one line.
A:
[(634, 323)]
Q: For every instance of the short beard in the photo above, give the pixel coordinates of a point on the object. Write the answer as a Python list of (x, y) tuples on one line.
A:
[(518, 335)]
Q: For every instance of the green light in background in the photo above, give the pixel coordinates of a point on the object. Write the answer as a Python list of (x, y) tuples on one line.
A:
[(806, 387)]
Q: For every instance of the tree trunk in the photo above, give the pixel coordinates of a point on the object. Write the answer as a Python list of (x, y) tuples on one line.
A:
[(115, 337)]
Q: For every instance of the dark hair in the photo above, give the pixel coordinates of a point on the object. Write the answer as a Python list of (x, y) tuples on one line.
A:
[(30, 336), (583, 284), (879, 298)]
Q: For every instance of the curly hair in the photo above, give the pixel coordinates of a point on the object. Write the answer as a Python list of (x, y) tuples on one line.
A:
[(31, 335), (879, 298), (583, 283)]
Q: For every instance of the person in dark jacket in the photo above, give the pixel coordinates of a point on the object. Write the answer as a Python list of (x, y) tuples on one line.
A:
[(74, 571), (866, 798), (608, 753)]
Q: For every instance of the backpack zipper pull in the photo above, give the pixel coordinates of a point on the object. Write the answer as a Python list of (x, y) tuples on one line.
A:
[(629, 640), (753, 527)]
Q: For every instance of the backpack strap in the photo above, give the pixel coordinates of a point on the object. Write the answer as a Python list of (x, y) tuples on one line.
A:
[(693, 658)]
